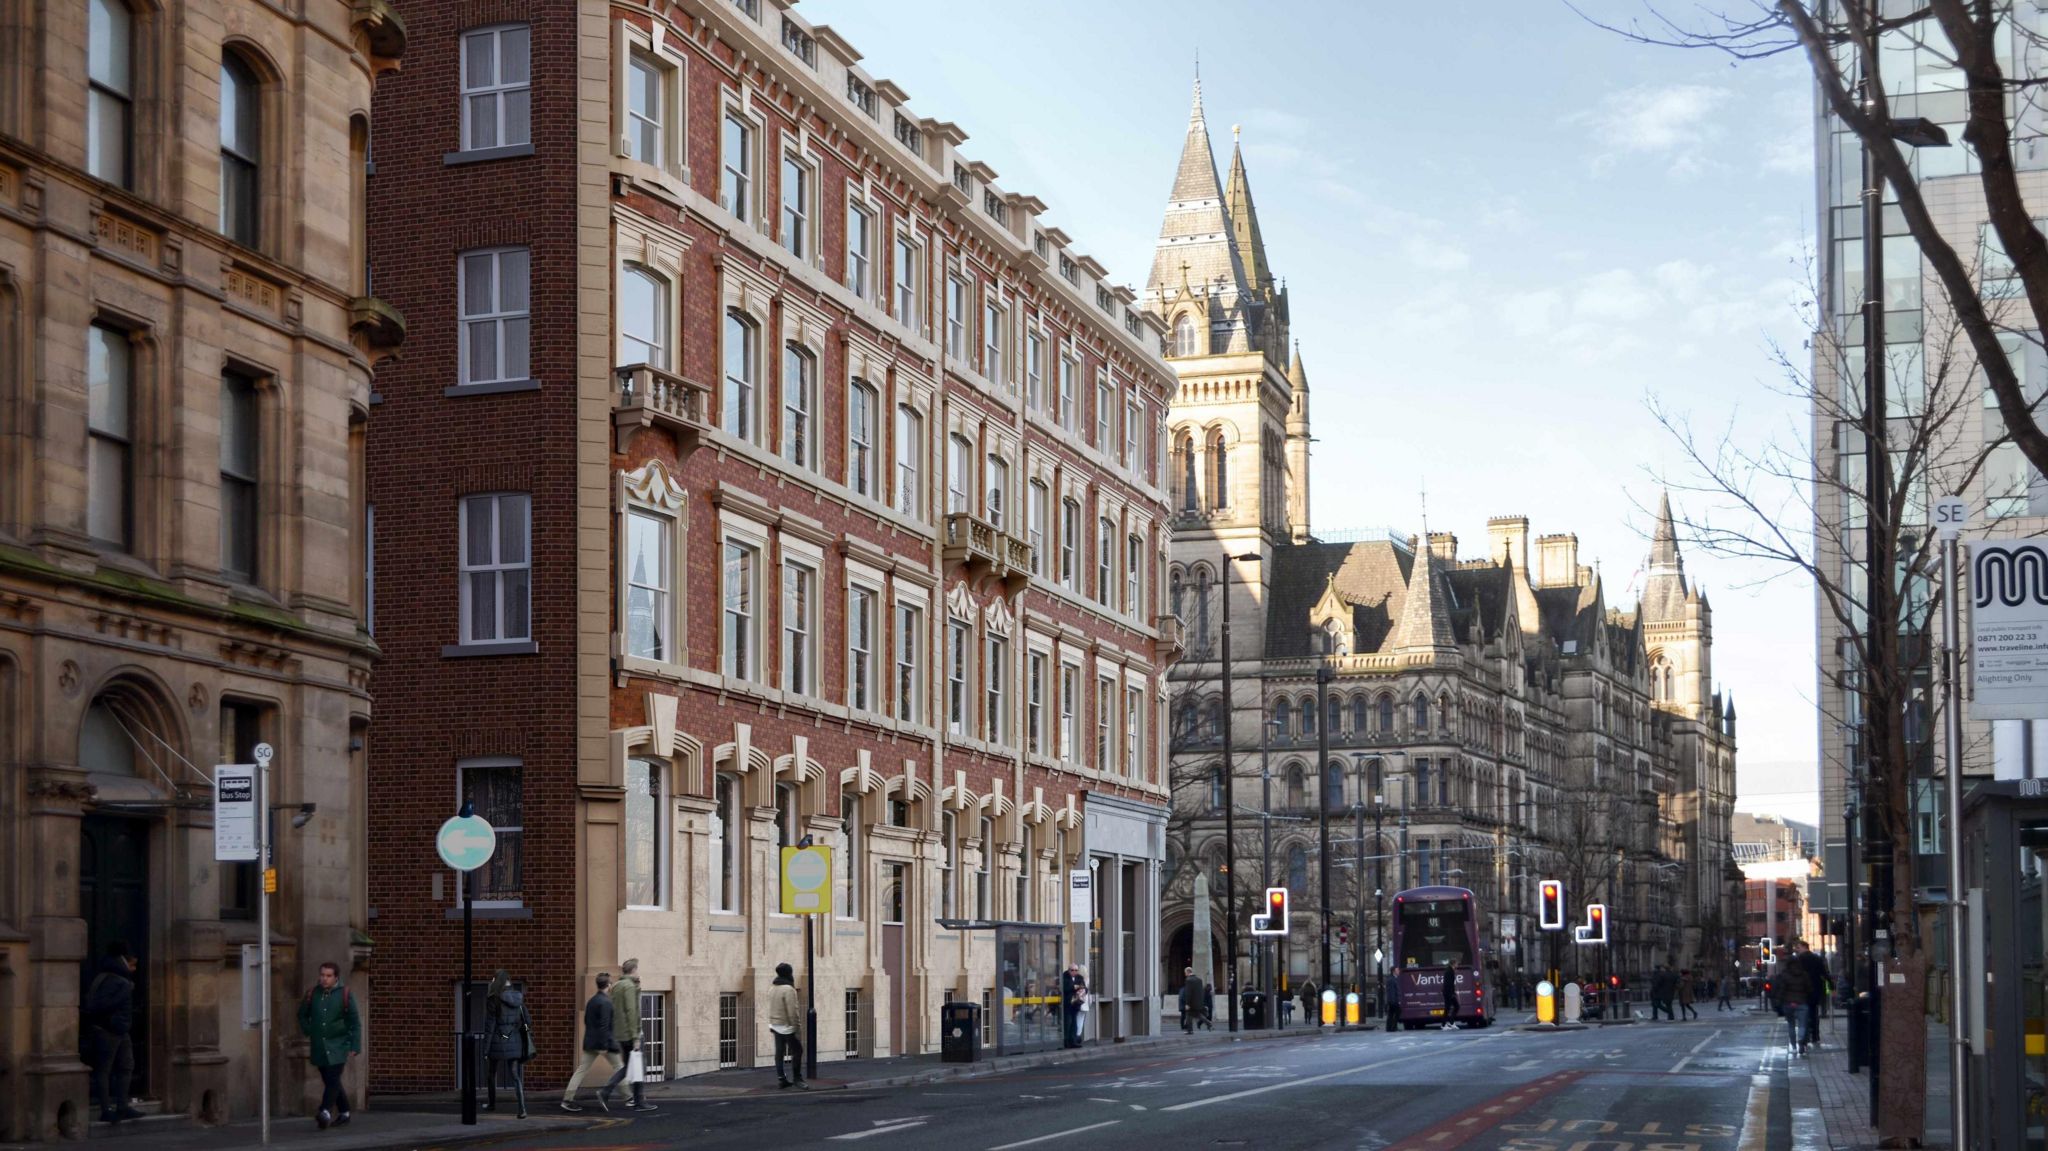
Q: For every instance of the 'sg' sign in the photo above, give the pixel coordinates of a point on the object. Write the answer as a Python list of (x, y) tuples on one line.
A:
[(2009, 629)]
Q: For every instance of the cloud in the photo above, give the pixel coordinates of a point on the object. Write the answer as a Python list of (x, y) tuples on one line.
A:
[(1650, 118), (1434, 255)]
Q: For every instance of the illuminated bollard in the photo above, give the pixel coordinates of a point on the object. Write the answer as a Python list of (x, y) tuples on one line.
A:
[(1329, 1007), (1351, 1008), (1572, 1003), (1546, 1002)]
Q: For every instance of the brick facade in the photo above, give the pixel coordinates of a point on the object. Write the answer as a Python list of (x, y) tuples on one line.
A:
[(621, 739)]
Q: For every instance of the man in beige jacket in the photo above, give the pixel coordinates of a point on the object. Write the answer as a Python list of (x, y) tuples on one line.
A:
[(786, 1020)]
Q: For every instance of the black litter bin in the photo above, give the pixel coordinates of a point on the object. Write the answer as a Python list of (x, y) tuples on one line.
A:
[(960, 1032), (1254, 1010)]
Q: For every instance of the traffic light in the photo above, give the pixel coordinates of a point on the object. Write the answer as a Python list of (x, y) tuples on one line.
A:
[(1766, 952), (1550, 914), (1594, 930), (1343, 934), (1274, 920)]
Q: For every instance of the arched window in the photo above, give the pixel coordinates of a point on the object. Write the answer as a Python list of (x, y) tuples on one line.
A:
[(1443, 712), (1334, 717), (1184, 341), (1202, 606), (1296, 800), (1282, 719), (1386, 714), (1308, 716), (643, 318), (1359, 715), (1421, 712), (1219, 471), (1213, 725), (1216, 788), (1184, 471), (1333, 782), (1174, 591), (738, 408), (1297, 871), (241, 151)]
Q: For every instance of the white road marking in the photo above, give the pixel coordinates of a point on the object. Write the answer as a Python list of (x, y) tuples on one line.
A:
[(1250, 1091), (899, 1126), (1680, 1065), (1054, 1135), (1756, 1122), (1527, 1065), (1138, 1107)]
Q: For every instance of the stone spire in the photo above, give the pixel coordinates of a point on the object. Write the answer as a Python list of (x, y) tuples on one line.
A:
[(1195, 241), (1244, 220), (1425, 623), (1297, 450), (1665, 591)]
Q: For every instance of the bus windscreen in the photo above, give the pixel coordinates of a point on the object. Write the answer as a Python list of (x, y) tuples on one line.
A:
[(1435, 932)]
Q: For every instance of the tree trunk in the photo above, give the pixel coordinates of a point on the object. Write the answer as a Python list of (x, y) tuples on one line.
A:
[(1902, 1050)]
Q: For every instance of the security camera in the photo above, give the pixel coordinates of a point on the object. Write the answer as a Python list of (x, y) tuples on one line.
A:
[(305, 815)]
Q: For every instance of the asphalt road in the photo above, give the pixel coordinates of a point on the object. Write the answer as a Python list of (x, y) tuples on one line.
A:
[(1710, 1085)]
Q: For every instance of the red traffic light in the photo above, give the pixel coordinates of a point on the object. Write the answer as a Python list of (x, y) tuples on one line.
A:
[(1274, 920)]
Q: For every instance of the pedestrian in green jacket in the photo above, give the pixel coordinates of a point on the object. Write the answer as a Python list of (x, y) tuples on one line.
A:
[(333, 1031), (626, 1026)]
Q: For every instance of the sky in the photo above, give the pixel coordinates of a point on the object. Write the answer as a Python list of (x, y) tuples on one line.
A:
[(1505, 233)]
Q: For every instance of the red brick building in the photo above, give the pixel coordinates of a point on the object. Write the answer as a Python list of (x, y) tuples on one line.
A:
[(757, 468)]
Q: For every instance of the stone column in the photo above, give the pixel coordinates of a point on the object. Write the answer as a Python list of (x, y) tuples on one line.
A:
[(57, 1088)]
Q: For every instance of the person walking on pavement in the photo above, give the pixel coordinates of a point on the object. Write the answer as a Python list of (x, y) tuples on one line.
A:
[(1073, 1004), (109, 1010), (1721, 985), (1190, 999), (1450, 997), (508, 1038), (1816, 988), (1791, 988), (333, 1031), (626, 1030), (1663, 989), (1686, 990), (785, 1018), (1311, 1003), (599, 1041)]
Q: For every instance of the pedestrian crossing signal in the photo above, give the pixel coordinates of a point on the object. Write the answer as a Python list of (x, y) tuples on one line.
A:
[(1550, 914), (1594, 930), (1274, 920)]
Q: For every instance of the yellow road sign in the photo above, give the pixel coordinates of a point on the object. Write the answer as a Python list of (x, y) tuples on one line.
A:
[(806, 880)]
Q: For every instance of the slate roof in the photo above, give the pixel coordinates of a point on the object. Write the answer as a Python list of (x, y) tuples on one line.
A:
[(1372, 576), (1196, 230)]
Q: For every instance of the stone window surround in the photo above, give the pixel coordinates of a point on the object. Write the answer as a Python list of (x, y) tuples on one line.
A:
[(653, 44), (651, 489)]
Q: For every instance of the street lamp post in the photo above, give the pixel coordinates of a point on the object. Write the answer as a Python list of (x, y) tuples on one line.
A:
[(1230, 800), (1266, 977), (1323, 677)]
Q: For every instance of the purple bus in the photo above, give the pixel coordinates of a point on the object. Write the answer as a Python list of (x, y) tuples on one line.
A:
[(1435, 928)]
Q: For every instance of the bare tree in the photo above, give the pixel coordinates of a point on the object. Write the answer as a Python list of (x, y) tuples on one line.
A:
[(1800, 502)]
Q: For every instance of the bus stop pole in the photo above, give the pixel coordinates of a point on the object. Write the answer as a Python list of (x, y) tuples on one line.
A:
[(1958, 903)]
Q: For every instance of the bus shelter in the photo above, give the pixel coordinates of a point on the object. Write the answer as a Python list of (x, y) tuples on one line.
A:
[(2006, 948), (1027, 982)]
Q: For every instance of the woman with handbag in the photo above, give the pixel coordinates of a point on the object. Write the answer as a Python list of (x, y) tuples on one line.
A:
[(508, 1037)]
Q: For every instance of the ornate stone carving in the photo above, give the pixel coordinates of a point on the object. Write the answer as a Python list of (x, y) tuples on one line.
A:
[(196, 699), (44, 786), (68, 678)]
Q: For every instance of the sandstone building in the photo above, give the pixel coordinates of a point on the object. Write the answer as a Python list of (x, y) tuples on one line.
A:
[(186, 342), (1489, 720)]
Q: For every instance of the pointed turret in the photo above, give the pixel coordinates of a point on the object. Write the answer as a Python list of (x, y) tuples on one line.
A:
[(1664, 593), (1298, 440), (1195, 238), (1425, 623), (1244, 220)]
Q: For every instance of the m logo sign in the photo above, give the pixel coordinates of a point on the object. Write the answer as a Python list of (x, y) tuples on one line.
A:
[(2011, 575), (2009, 629)]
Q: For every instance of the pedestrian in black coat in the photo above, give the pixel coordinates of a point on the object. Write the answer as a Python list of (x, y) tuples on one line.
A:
[(109, 1010), (598, 1043), (1191, 990), (508, 1038)]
